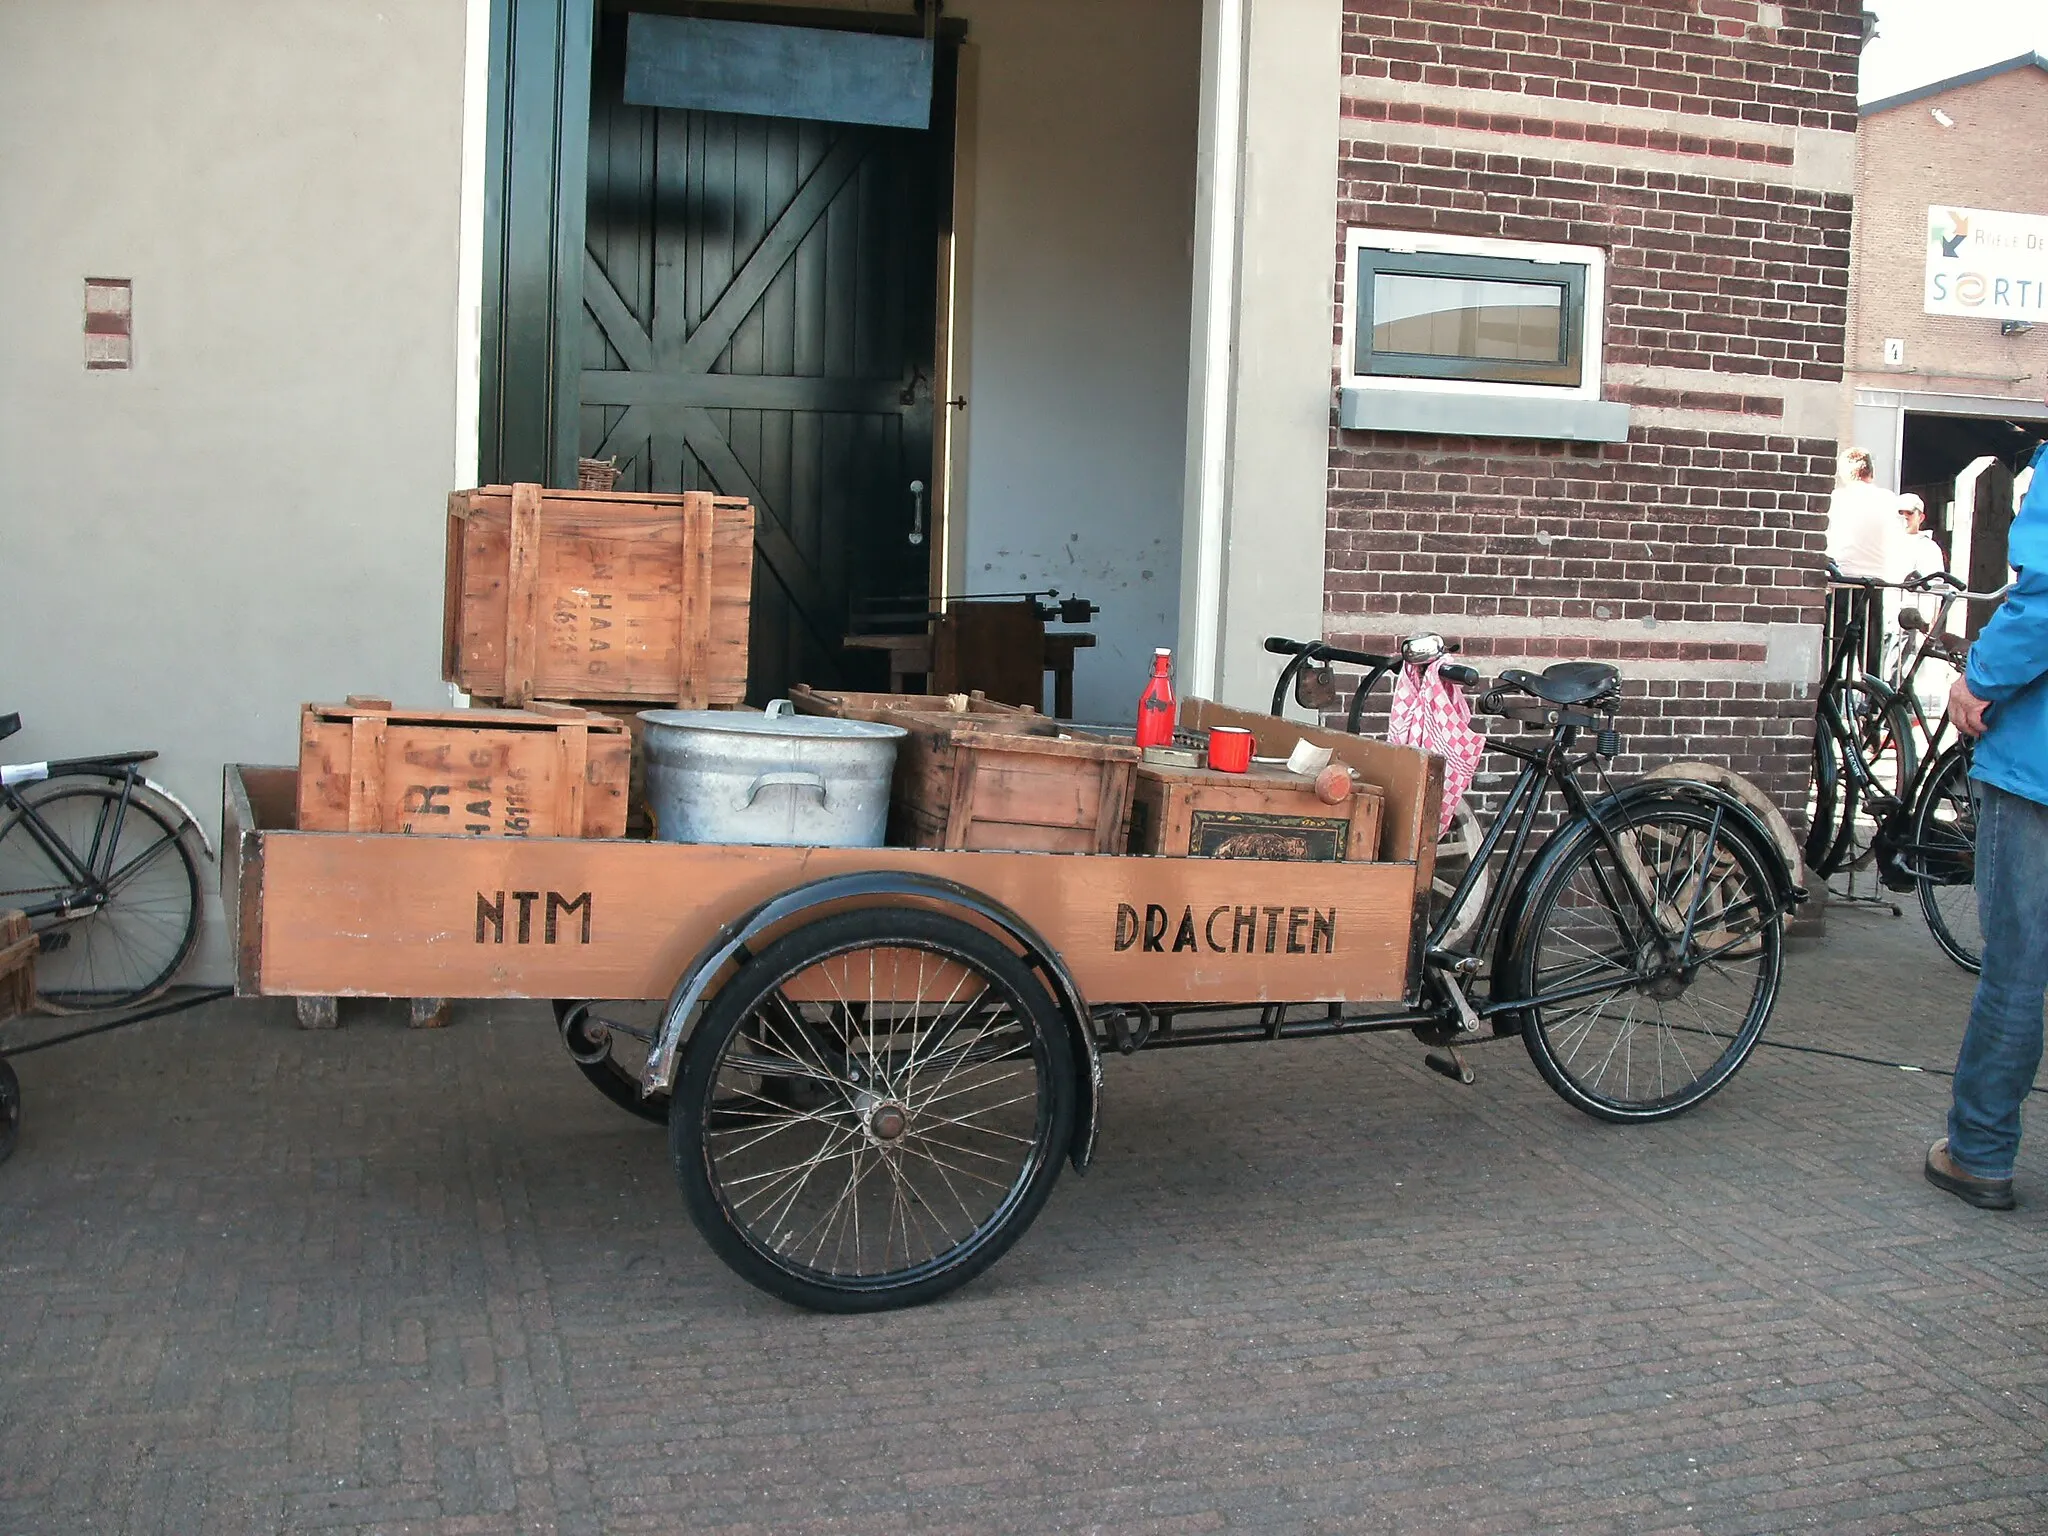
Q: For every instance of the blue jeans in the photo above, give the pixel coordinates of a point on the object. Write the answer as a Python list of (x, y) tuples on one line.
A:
[(2002, 1046)]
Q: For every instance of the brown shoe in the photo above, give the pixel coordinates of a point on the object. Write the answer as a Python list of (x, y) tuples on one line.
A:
[(1985, 1194)]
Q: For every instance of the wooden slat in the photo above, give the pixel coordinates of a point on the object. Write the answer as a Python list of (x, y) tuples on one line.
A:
[(693, 642), (432, 917), (573, 745), (366, 737), (522, 594)]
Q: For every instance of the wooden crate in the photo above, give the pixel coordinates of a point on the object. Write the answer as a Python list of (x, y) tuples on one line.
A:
[(17, 965), (878, 706), (587, 595), (1006, 782), (1267, 813), (548, 771)]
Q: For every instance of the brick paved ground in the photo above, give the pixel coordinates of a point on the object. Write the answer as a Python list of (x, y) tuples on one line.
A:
[(253, 1279)]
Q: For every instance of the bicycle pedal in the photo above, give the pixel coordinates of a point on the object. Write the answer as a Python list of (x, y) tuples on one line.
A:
[(1451, 1065)]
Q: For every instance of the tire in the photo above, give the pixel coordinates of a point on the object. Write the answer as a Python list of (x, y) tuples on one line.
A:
[(1881, 727), (10, 1110), (1877, 728), (1826, 791), (126, 949), (1943, 859), (835, 1185), (1696, 1015), (1455, 851)]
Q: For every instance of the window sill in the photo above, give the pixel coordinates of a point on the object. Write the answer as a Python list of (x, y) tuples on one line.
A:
[(1442, 413)]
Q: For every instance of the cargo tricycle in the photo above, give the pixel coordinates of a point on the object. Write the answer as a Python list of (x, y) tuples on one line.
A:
[(873, 1062)]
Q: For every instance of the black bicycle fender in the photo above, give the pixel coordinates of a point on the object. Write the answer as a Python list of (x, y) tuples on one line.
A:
[(876, 887), (1745, 821)]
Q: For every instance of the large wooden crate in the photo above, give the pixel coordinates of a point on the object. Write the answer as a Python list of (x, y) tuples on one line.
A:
[(588, 595), (1267, 813), (878, 706), (995, 782), (547, 771), (17, 965)]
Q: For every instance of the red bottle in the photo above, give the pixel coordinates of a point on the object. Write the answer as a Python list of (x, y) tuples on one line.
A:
[(1156, 708)]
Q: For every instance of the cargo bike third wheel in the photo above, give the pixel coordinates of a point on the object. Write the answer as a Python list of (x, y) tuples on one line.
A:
[(873, 1109)]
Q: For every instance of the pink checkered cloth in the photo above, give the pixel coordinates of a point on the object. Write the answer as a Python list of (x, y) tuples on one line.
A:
[(1430, 714)]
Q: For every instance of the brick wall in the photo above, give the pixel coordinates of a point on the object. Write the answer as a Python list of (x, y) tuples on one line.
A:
[(1706, 147), (1908, 162)]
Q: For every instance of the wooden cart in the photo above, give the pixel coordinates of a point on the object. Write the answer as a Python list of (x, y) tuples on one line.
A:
[(872, 1062)]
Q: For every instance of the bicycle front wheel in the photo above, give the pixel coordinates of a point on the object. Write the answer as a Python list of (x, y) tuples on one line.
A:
[(872, 1110), (113, 893), (1943, 859), (1638, 1018)]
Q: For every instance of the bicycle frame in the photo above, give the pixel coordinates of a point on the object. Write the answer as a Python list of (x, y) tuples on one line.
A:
[(89, 877)]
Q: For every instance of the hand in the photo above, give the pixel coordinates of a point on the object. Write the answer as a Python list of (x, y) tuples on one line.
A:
[(1966, 709)]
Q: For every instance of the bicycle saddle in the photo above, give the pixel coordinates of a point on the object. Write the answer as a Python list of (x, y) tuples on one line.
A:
[(1569, 682), (9, 724)]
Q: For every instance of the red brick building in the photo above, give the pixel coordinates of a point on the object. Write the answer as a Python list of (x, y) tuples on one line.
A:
[(1700, 153)]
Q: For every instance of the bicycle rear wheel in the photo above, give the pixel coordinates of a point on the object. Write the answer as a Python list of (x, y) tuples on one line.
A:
[(126, 932), (1643, 1022), (1943, 859)]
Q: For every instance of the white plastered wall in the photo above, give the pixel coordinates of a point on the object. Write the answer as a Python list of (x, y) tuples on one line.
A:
[(1259, 410), (252, 516)]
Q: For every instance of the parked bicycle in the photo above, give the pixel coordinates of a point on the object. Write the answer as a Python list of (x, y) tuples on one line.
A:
[(102, 861), (1887, 795), (1638, 949)]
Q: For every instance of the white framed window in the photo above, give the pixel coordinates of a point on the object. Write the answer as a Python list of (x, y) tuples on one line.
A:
[(1512, 325)]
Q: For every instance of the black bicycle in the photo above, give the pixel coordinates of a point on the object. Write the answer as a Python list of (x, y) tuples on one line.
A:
[(101, 860), (1637, 950), (1887, 794)]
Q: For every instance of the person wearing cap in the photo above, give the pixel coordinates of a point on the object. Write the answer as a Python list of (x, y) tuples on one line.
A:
[(2002, 700)]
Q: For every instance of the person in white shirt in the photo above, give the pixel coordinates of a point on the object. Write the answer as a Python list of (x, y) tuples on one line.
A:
[(1917, 554), (1863, 521)]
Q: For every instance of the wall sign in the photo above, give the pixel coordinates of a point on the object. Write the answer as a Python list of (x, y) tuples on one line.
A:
[(1992, 266), (109, 322), (772, 71)]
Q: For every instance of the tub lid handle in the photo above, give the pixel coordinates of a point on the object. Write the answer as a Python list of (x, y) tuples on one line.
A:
[(778, 708)]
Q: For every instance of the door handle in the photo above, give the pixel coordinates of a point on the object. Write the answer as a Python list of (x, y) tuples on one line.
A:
[(917, 512)]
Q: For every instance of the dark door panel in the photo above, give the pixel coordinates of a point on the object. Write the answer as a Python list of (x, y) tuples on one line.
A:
[(759, 311)]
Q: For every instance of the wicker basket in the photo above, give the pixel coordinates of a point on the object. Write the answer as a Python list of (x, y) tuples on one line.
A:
[(596, 474)]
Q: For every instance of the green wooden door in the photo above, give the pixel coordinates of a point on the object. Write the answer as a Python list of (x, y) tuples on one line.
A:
[(758, 306)]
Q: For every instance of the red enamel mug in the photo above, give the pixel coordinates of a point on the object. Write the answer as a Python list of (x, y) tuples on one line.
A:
[(1230, 749)]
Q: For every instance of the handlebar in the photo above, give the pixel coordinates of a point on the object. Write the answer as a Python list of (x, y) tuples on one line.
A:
[(1317, 650), (1933, 584)]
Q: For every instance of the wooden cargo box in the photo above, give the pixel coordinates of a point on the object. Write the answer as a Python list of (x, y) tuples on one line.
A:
[(877, 706), (1005, 782), (589, 596), (549, 771), (1267, 813), (18, 946)]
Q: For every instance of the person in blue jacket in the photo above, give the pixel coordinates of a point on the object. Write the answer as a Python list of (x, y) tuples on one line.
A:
[(2002, 699)]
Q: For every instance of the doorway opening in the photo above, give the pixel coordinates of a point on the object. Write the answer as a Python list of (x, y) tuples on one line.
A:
[(760, 319)]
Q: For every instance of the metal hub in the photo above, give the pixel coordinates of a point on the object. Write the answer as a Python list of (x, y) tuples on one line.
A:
[(885, 1121), (1670, 985), (1666, 981)]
